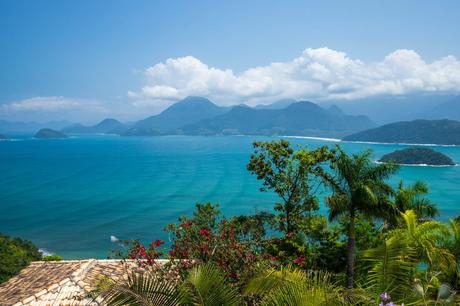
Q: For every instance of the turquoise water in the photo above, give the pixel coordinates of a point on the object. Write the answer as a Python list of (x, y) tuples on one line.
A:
[(68, 196)]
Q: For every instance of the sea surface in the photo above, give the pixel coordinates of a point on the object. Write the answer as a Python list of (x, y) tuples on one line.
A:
[(70, 195)]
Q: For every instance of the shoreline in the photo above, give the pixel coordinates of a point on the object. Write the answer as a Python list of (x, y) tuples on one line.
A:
[(420, 165), (402, 143)]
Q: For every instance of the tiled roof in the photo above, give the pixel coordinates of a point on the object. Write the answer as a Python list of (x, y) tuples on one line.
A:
[(61, 283)]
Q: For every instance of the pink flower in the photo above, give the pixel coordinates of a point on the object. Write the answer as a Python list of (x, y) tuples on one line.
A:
[(204, 232), (299, 260)]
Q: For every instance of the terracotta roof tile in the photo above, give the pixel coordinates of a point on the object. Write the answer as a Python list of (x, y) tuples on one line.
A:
[(59, 282)]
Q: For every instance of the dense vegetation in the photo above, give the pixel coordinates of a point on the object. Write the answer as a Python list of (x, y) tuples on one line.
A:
[(443, 132), (49, 133), (378, 245), (15, 254), (418, 156)]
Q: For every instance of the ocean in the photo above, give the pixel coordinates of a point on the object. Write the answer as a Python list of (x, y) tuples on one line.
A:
[(69, 196)]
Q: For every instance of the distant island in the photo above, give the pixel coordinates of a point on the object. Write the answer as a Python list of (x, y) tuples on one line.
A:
[(49, 133), (441, 132), (106, 126), (3, 137), (418, 156)]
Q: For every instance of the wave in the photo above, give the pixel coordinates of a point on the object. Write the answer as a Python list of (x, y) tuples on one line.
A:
[(45, 252)]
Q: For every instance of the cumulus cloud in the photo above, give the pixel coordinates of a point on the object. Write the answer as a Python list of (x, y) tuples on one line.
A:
[(318, 74)]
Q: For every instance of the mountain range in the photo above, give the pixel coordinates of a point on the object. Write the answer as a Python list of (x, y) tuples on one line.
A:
[(199, 116)]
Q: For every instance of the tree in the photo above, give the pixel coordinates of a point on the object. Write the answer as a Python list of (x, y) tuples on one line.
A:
[(359, 188), (412, 197), (15, 254), (295, 176), (429, 239)]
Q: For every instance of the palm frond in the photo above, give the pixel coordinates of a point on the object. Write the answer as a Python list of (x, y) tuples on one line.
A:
[(207, 286), (138, 289), (391, 267), (293, 287)]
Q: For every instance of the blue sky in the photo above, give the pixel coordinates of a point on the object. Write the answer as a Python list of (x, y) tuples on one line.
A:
[(83, 60)]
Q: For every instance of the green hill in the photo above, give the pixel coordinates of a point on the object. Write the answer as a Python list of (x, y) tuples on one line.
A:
[(443, 132), (418, 156), (49, 133)]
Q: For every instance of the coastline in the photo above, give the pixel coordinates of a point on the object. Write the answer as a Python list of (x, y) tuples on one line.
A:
[(420, 165), (403, 143)]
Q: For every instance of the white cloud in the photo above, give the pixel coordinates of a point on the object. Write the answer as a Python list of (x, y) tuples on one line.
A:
[(317, 74), (54, 108), (45, 104)]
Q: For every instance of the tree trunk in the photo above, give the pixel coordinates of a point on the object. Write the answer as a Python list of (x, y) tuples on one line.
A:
[(351, 252)]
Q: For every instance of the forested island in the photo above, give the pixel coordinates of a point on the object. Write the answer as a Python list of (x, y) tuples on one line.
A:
[(49, 133), (418, 156), (441, 132)]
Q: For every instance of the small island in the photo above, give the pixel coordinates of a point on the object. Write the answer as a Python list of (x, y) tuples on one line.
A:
[(418, 156), (49, 134), (3, 137)]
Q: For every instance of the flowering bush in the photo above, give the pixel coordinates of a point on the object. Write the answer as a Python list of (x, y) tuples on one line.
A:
[(208, 239)]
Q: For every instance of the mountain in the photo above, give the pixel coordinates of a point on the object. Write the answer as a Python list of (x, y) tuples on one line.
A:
[(3, 137), (300, 118), (11, 127), (277, 105), (106, 126), (110, 126), (49, 133), (443, 132), (447, 110), (393, 108), (418, 156), (184, 112)]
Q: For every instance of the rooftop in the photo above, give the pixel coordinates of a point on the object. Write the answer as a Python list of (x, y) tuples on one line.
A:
[(66, 282)]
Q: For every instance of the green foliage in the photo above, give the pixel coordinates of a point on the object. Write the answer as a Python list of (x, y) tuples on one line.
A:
[(413, 197), (53, 257), (15, 254), (138, 289), (293, 175), (359, 190), (294, 287), (206, 285), (418, 156), (390, 268)]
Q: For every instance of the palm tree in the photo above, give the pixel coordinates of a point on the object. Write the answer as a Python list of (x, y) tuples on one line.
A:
[(205, 285), (429, 239), (413, 198), (390, 268), (359, 189)]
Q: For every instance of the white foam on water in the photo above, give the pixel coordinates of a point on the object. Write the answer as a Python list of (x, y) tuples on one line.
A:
[(315, 138), (402, 143)]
